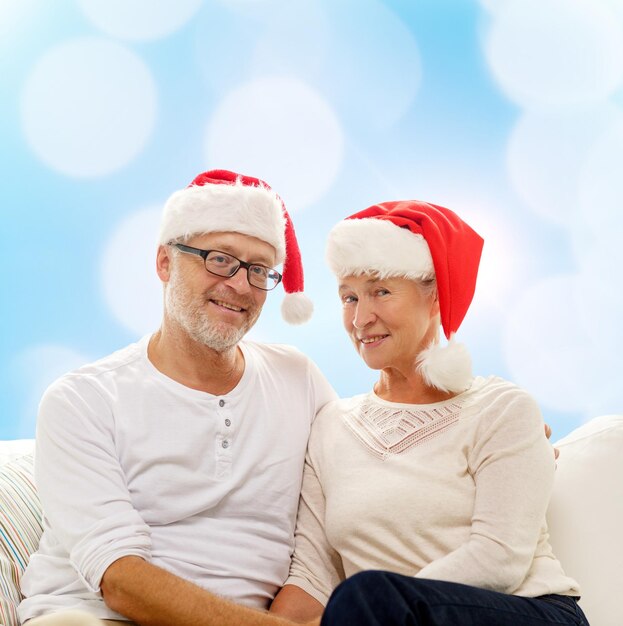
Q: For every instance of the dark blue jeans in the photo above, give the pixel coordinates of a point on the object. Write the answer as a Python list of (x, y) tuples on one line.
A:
[(385, 599)]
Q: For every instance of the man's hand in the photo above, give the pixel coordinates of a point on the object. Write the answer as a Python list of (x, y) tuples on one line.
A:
[(151, 596)]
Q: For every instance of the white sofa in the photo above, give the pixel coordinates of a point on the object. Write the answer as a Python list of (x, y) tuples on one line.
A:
[(585, 517)]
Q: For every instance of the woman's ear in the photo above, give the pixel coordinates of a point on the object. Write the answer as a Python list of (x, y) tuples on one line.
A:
[(434, 305)]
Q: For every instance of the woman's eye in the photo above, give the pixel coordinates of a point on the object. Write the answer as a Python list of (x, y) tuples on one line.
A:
[(348, 299), (382, 292)]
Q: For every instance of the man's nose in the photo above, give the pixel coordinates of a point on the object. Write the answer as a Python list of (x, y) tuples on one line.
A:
[(239, 281)]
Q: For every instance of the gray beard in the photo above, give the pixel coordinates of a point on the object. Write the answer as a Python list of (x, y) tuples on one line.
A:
[(193, 319)]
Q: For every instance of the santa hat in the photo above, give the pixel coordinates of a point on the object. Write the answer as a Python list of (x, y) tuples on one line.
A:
[(223, 201), (417, 240)]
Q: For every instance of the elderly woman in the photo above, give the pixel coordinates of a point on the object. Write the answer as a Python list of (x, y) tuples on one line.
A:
[(438, 478)]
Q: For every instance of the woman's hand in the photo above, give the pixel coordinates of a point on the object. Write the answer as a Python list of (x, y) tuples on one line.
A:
[(297, 605), (548, 434)]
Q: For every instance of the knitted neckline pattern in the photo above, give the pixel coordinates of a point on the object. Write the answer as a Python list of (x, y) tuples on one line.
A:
[(387, 430)]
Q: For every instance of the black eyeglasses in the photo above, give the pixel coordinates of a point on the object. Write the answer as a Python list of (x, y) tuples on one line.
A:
[(225, 265)]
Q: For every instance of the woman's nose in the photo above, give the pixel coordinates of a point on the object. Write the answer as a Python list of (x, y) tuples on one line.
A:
[(364, 315)]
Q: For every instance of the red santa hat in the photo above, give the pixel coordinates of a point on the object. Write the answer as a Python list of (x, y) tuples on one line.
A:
[(223, 201), (417, 240)]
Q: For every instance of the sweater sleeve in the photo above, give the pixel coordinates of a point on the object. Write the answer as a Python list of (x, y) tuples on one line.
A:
[(81, 484), (513, 469), (316, 567), (320, 389)]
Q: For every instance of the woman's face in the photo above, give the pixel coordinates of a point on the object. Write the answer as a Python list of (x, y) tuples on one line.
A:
[(390, 321)]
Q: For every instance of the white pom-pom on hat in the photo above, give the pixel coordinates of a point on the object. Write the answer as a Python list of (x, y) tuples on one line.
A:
[(296, 308), (448, 368)]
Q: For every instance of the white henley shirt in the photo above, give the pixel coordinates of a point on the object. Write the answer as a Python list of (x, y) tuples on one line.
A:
[(130, 462)]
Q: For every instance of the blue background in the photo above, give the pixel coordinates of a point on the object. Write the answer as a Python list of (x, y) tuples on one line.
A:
[(508, 112)]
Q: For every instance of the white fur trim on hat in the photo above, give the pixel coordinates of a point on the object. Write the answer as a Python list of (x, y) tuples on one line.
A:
[(245, 209), (448, 368), (296, 308), (360, 246)]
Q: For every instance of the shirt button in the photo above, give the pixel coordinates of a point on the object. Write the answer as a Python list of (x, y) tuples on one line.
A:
[(221, 402), (225, 444), (228, 422)]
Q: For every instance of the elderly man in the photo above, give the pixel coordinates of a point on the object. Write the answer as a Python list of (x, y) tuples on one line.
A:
[(170, 471)]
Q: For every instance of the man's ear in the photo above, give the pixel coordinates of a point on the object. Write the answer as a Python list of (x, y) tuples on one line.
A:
[(164, 258)]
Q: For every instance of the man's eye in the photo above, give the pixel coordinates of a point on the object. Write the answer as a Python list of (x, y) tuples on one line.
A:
[(220, 259), (258, 270)]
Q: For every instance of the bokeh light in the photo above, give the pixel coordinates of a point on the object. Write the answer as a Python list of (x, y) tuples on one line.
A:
[(33, 369), (560, 53), (139, 20), (547, 153), (88, 107), (282, 129), (131, 288)]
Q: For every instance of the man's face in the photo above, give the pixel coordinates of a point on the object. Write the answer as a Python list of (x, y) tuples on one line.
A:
[(213, 310)]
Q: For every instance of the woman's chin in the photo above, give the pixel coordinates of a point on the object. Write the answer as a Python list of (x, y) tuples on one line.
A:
[(373, 361)]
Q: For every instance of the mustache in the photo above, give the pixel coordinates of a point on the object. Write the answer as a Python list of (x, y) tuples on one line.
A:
[(230, 297)]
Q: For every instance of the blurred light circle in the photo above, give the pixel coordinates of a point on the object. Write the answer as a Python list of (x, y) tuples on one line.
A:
[(601, 188), (500, 267), (374, 78), (597, 233), (258, 8), (548, 347), (16, 19), (88, 107), (601, 306), (43, 364), (35, 368), (494, 5), (371, 83), (294, 41), (546, 155), (281, 130), (139, 20), (556, 53), (601, 310), (615, 5), (130, 285)]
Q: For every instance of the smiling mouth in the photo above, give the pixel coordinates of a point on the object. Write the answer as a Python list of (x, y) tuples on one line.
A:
[(367, 340), (227, 305)]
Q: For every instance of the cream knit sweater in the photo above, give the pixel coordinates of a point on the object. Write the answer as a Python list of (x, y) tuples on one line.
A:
[(455, 491)]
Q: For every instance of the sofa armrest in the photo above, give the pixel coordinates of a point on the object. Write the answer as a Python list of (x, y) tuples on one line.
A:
[(585, 515)]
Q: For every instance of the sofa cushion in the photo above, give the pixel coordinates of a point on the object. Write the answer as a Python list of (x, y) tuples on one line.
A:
[(585, 515), (14, 448), (20, 530)]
